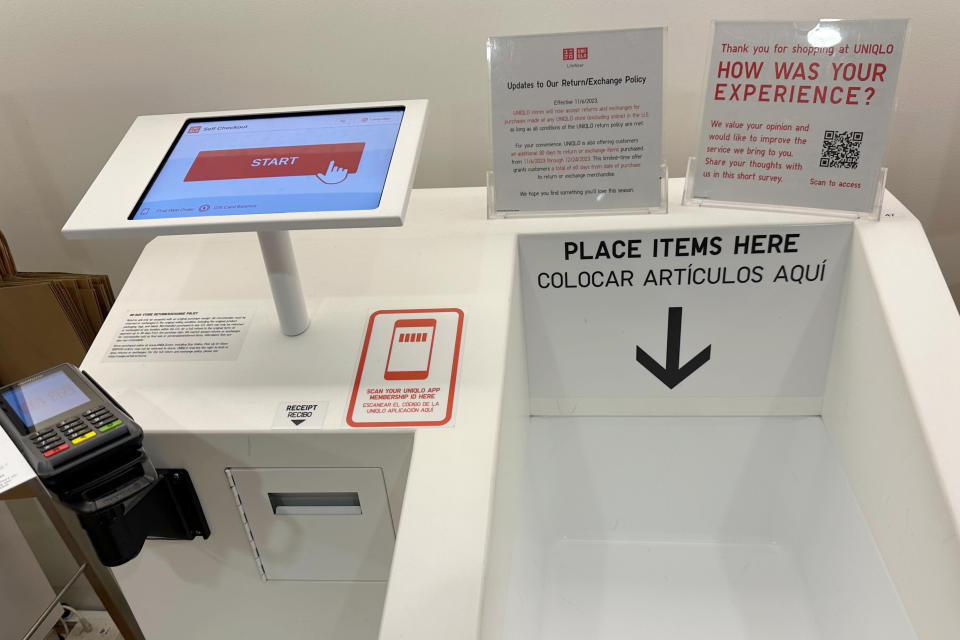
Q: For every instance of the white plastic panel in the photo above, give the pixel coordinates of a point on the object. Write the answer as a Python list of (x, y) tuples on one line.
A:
[(891, 408), (318, 524), (692, 528)]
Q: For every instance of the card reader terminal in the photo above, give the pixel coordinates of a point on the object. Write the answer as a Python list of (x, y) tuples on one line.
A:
[(58, 417), (87, 451)]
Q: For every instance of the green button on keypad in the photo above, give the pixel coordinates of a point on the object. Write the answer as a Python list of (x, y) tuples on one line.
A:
[(107, 427)]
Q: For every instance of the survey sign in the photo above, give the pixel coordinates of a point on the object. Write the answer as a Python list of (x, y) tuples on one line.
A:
[(797, 114), (741, 312), (408, 369), (577, 120)]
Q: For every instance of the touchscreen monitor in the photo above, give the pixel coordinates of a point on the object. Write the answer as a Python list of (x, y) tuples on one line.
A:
[(274, 163)]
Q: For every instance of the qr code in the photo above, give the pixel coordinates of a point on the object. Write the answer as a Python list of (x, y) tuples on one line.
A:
[(841, 149)]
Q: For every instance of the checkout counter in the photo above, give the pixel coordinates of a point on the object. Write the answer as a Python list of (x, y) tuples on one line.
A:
[(563, 498)]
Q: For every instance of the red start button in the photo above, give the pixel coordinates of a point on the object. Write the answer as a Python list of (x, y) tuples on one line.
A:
[(273, 162)]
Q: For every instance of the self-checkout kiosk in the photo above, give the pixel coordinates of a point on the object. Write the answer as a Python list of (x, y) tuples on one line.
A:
[(713, 423)]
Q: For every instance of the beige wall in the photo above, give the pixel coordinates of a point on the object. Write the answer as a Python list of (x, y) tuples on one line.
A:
[(73, 75)]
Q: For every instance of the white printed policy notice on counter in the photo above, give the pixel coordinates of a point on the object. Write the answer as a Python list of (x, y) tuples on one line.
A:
[(205, 332), (577, 120)]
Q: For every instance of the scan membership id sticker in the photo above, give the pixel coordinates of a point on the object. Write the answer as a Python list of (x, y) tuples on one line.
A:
[(407, 375)]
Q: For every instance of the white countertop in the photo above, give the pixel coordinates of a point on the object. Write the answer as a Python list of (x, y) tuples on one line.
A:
[(446, 255)]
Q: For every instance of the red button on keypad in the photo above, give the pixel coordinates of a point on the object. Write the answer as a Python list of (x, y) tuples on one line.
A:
[(53, 452)]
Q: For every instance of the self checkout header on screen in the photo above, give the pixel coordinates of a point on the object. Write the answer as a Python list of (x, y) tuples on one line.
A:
[(278, 163)]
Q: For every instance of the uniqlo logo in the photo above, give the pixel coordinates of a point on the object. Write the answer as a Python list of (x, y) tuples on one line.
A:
[(581, 53), (568, 53), (194, 129)]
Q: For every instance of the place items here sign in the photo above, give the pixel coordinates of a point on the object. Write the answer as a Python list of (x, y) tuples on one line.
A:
[(741, 314), (797, 114)]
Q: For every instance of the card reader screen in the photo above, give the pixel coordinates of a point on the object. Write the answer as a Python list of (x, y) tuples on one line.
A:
[(314, 161), (44, 398)]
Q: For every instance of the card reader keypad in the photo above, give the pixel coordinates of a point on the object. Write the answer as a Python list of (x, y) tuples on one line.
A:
[(74, 431), (101, 419), (50, 442)]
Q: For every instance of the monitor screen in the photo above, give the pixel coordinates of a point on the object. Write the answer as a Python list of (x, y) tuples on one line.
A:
[(44, 398), (274, 163)]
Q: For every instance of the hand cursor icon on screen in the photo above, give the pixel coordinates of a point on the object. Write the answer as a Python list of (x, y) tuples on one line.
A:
[(333, 175)]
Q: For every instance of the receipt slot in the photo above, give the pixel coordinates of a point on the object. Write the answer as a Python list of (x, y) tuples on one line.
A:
[(87, 451)]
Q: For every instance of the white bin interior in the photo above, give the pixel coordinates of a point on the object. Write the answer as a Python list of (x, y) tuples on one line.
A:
[(694, 528)]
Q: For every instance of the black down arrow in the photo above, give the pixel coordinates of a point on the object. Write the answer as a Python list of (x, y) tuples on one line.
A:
[(673, 374)]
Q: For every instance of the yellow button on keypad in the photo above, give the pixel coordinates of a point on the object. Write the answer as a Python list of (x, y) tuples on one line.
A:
[(85, 436)]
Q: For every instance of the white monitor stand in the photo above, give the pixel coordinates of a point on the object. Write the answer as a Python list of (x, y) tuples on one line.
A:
[(263, 170), (277, 250)]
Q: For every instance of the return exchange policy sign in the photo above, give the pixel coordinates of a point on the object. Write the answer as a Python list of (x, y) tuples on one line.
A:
[(577, 120), (797, 114)]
